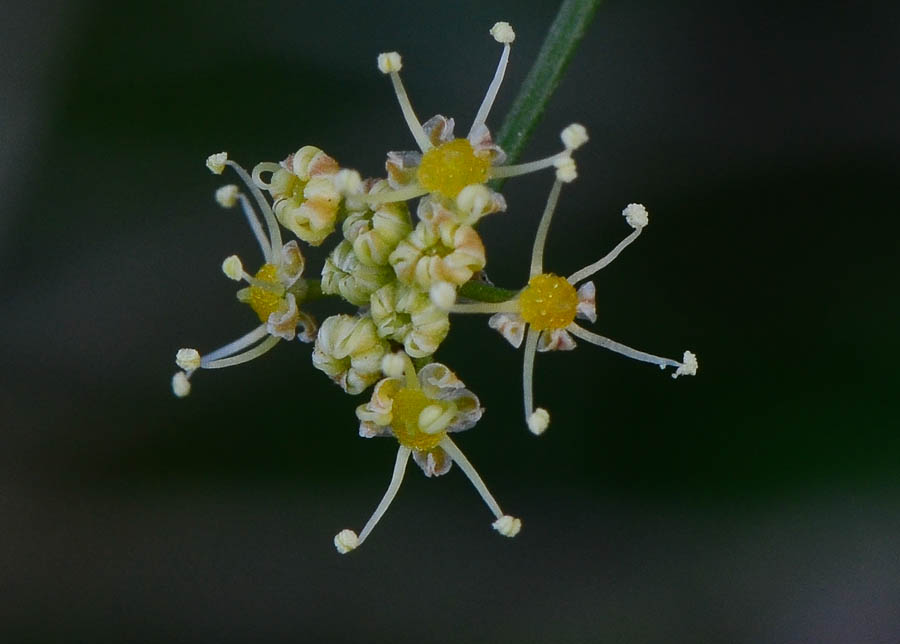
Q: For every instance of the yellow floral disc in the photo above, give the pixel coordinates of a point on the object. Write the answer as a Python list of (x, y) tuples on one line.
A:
[(548, 302), (452, 166), (408, 404), (262, 300)]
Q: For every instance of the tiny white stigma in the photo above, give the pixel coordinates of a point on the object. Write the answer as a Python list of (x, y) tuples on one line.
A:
[(574, 136), (539, 421), (392, 364), (188, 359), (233, 268), (565, 169), (226, 196), (636, 215), (508, 526), (443, 295), (389, 62), (216, 162), (503, 32), (181, 386), (689, 366), (345, 541)]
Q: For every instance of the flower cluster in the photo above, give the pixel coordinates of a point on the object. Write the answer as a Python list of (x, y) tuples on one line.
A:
[(406, 276)]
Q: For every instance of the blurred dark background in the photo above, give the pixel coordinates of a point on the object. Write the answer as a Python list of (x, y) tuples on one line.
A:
[(757, 502)]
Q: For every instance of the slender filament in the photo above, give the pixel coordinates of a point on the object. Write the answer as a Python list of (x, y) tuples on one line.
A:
[(602, 263), (238, 345), (493, 88), (460, 459), (255, 226), (246, 356), (540, 239), (505, 171), (268, 215), (412, 121), (390, 493), (531, 341), (620, 348)]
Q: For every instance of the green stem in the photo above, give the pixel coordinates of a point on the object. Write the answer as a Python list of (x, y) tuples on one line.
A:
[(564, 36), (482, 292)]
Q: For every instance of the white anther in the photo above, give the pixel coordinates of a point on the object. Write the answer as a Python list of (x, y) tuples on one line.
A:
[(636, 215), (574, 136), (233, 268), (345, 541), (226, 196), (507, 525), (181, 386), (216, 162), (539, 421), (443, 295), (565, 169), (689, 366), (188, 359), (430, 419), (392, 364), (474, 200), (389, 62), (503, 33)]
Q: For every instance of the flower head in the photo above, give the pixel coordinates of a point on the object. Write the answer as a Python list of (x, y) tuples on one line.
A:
[(274, 293), (452, 169), (420, 409), (543, 313)]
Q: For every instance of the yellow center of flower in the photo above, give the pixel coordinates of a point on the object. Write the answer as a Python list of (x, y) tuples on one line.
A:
[(408, 405), (548, 302), (452, 166), (262, 300)]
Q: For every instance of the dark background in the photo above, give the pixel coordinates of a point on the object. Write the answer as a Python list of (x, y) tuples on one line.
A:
[(757, 502)]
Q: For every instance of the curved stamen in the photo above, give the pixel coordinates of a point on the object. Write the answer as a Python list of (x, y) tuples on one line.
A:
[(540, 239), (233, 347), (602, 263), (265, 209), (259, 168), (255, 226), (493, 88), (412, 122), (396, 479), (247, 356), (620, 348), (460, 459), (402, 194), (506, 171)]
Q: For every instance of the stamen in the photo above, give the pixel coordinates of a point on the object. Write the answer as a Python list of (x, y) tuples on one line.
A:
[(259, 168), (256, 227), (510, 306), (506, 171), (268, 286), (531, 341), (391, 63), (590, 269), (460, 459), (396, 479), (241, 343), (265, 209), (390, 196), (540, 239), (626, 351), (247, 356), (494, 87)]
